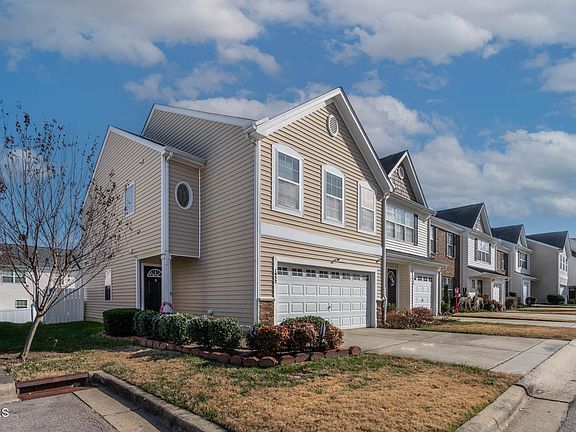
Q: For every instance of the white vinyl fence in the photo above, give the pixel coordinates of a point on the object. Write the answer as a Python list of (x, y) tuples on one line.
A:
[(68, 310), (16, 315)]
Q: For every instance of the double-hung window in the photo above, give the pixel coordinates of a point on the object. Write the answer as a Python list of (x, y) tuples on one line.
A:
[(10, 276), (449, 245), (401, 224), (287, 173), (333, 188), (483, 251), (129, 199), (523, 260), (433, 239), (366, 208)]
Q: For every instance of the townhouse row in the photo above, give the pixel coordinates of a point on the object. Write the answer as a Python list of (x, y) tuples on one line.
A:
[(297, 215)]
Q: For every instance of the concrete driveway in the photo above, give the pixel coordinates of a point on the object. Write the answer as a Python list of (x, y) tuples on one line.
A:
[(497, 353)]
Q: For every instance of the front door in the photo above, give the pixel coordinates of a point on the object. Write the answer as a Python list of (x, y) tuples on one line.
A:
[(152, 288), (391, 285)]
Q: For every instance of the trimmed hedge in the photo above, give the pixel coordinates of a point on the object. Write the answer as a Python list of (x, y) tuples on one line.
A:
[(176, 328), (555, 299), (159, 328), (198, 330), (222, 332), (119, 322), (143, 322)]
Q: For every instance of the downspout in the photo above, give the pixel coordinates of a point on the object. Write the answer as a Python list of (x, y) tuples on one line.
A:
[(164, 238), (383, 276), (257, 217)]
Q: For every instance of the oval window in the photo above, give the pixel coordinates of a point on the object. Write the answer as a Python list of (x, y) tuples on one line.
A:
[(401, 173), (184, 195)]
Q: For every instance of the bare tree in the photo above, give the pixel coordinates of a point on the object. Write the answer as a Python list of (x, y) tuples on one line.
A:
[(59, 228)]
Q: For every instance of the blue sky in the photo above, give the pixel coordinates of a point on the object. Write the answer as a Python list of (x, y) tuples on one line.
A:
[(483, 95)]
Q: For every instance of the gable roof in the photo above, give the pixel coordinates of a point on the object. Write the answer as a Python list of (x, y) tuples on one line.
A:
[(465, 215), (337, 96), (510, 233), (573, 246), (556, 239), (391, 164)]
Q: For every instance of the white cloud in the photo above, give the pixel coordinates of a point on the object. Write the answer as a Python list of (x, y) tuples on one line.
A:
[(560, 77), (236, 52), (149, 88), (370, 84)]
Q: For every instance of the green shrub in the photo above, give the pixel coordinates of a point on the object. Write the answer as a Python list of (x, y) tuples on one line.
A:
[(511, 303), (199, 330), (159, 328), (530, 301), (271, 339), (224, 332), (493, 306), (555, 299), (390, 307), (175, 328), (333, 337), (251, 335), (302, 336), (445, 307), (119, 322), (143, 322)]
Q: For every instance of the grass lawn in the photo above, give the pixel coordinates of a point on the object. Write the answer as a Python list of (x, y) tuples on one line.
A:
[(364, 393), (513, 316), (501, 329)]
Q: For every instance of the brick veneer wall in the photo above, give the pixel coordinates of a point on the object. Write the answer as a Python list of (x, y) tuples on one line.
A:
[(453, 270), (267, 311)]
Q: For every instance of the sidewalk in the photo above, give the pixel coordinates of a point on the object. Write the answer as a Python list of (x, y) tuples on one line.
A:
[(543, 398)]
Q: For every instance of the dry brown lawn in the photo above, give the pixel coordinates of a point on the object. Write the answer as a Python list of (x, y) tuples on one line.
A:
[(498, 329), (364, 393), (513, 316), (548, 310)]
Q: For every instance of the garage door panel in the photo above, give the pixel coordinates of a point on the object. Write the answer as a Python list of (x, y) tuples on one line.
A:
[(422, 291), (339, 296)]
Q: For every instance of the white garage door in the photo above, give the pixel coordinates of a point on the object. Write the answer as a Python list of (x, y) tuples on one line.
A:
[(339, 296), (422, 291)]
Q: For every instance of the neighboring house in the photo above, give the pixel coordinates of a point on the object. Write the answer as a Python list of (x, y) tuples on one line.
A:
[(445, 247), (413, 279), (479, 269), (520, 261), (572, 271), (550, 264), (258, 220)]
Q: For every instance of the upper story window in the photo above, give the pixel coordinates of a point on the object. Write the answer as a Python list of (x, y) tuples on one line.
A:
[(450, 245), (333, 188), (433, 239), (502, 261), (563, 263), (523, 260), (129, 199), (287, 180), (366, 208), (483, 251), (10, 276), (184, 196), (401, 224)]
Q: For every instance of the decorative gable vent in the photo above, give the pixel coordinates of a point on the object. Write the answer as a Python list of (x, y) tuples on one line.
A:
[(332, 124)]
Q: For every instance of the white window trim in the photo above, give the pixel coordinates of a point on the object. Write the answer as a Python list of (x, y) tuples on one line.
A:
[(366, 185), (452, 236), (189, 190), (108, 282), (414, 231), (336, 172), (276, 148), (133, 199), (20, 300)]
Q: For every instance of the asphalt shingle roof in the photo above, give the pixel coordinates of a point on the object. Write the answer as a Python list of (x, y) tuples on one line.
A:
[(465, 216), (509, 233), (390, 162), (556, 239)]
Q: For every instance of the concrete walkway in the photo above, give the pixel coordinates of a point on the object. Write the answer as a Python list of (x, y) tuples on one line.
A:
[(519, 322), (496, 353)]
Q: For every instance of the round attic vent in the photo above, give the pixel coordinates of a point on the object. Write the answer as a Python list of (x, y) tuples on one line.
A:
[(401, 172), (332, 124)]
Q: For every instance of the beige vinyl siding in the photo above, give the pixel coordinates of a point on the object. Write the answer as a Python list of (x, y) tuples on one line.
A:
[(404, 290), (130, 162), (309, 137), (271, 247), (222, 279), (402, 187), (420, 249), (184, 223)]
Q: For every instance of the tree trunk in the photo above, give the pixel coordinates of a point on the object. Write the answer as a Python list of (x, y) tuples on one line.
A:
[(31, 333)]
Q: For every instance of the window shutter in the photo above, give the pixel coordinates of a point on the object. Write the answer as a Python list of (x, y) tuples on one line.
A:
[(446, 251), (476, 252), (415, 229)]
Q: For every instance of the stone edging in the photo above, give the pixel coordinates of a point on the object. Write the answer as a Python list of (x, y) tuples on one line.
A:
[(177, 419), (237, 360)]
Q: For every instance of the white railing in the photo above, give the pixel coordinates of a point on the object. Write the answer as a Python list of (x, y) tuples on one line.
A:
[(16, 315)]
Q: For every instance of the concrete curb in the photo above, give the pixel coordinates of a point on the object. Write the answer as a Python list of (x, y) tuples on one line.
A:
[(177, 419), (498, 413), (7, 387)]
